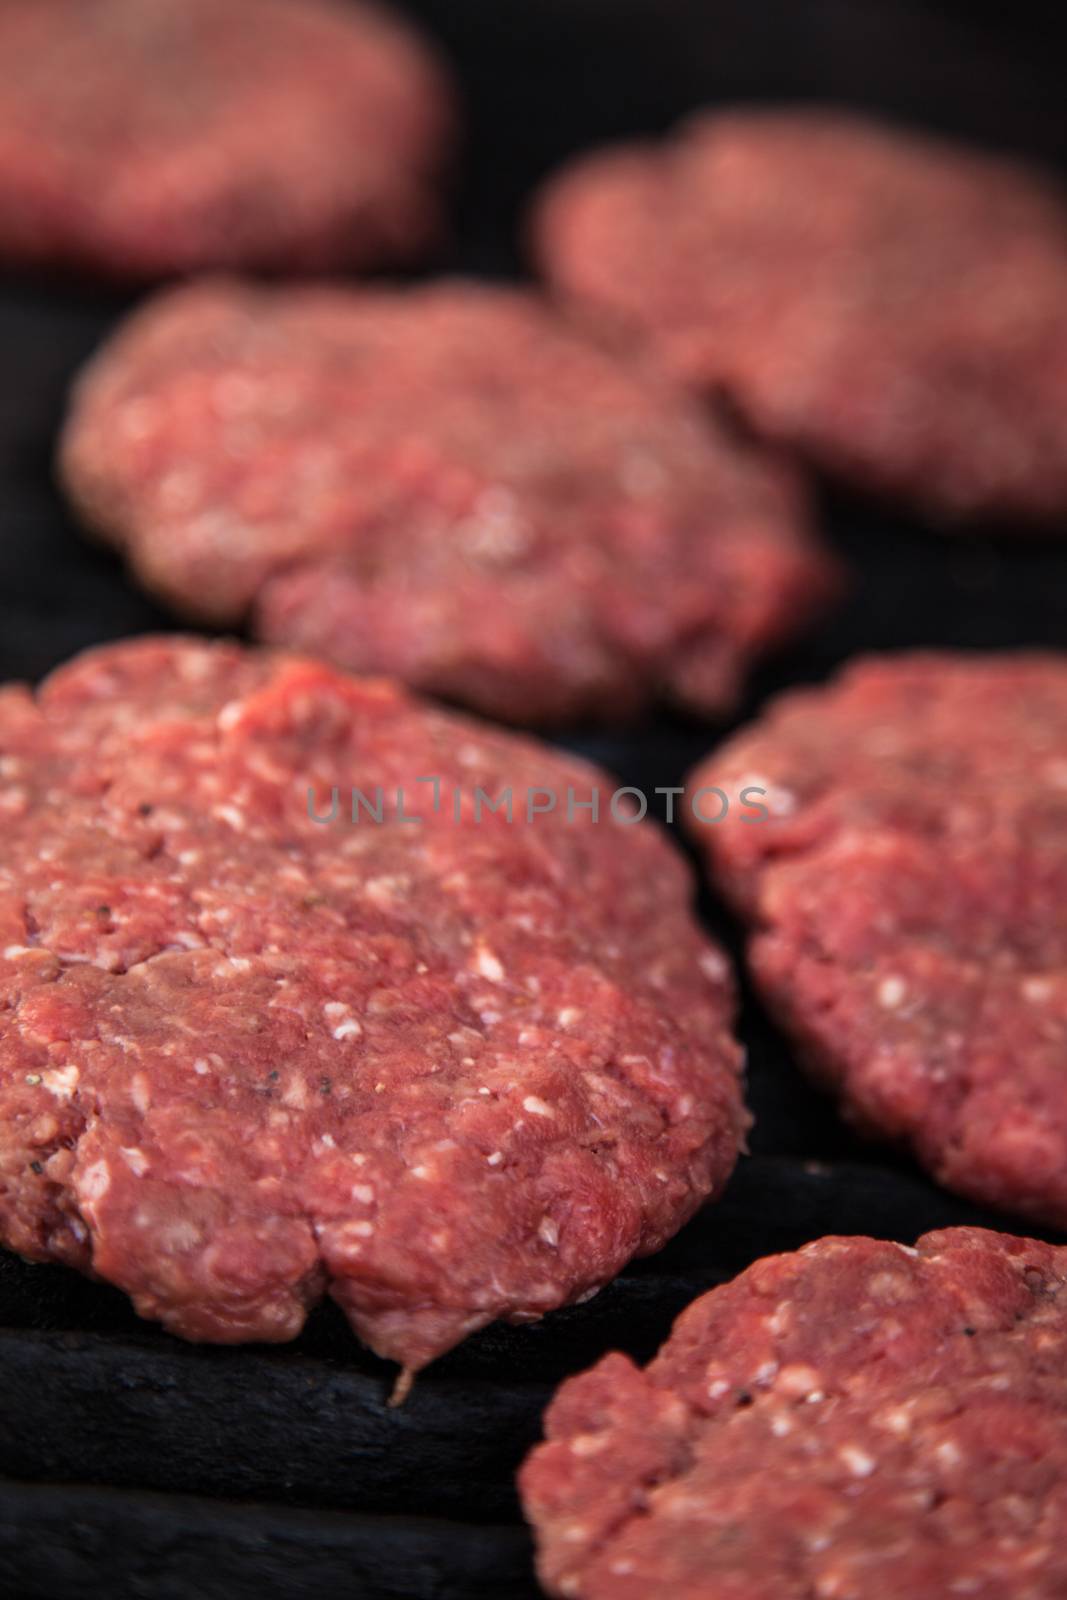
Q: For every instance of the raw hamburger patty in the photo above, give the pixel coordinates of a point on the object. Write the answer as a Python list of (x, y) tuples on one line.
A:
[(144, 137), (892, 306), (908, 901), (447, 484), (857, 1421), (444, 1071)]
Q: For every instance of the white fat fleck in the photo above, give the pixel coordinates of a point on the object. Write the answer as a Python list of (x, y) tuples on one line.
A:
[(13, 951), (1038, 990), (495, 1159), (140, 1092), (295, 1094), (798, 1380), (387, 888), (230, 715), (177, 1236), (548, 1232), (324, 1142), (568, 1016), (270, 771), (485, 962), (780, 801), (781, 1426), (588, 1444), (891, 992), (714, 966), (232, 815), (717, 1388), (948, 1454), (61, 1081), (422, 1171), (201, 1068), (858, 1462), (230, 966), (764, 1373), (536, 1107), (136, 1160), (347, 1026), (95, 1181), (363, 1192)]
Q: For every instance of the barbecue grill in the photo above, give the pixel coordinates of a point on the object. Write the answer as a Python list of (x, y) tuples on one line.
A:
[(132, 1464)]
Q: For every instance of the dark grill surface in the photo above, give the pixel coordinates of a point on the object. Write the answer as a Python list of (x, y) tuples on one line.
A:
[(134, 1465)]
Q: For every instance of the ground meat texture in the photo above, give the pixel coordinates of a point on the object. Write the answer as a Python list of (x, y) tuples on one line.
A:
[(891, 306), (444, 1071), (140, 138), (907, 895), (856, 1421), (446, 484)]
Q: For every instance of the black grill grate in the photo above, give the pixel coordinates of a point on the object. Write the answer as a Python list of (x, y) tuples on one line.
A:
[(134, 1465)]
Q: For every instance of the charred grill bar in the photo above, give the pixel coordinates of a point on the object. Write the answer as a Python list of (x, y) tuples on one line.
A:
[(133, 1464)]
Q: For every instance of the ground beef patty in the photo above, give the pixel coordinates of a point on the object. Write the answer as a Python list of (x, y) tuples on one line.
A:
[(445, 1071), (144, 137), (446, 484), (908, 898), (893, 307), (857, 1421)]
